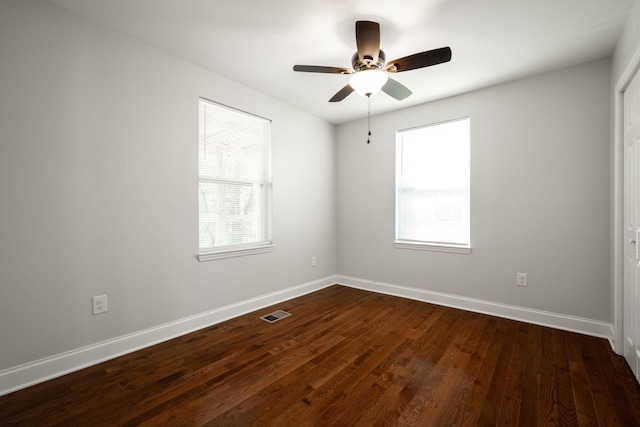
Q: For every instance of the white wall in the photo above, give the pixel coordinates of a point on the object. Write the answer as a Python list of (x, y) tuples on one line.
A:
[(98, 187), (539, 196)]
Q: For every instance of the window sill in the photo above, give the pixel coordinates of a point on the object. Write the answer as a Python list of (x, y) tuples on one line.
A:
[(451, 248), (232, 253)]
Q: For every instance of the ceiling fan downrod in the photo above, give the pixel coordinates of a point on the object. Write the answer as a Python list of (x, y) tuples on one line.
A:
[(369, 119)]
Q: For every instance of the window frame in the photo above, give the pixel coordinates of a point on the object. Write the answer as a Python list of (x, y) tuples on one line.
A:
[(399, 243), (243, 249)]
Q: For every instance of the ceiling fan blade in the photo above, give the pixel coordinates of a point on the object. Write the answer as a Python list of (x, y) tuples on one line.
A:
[(320, 69), (396, 89), (420, 60), (368, 40), (342, 94)]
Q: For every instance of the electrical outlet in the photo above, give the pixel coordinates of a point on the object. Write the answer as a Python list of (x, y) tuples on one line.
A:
[(99, 304), (313, 261), (521, 279)]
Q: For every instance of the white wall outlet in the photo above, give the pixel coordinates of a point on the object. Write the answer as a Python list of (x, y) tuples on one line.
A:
[(99, 304), (521, 279), (313, 261)]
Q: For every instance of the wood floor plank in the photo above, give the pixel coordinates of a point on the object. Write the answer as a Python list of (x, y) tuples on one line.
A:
[(347, 357), (423, 384), (440, 405), (358, 381), (582, 390), (402, 392), (604, 406), (496, 388), (472, 390), (567, 412), (548, 381), (510, 407), (531, 381)]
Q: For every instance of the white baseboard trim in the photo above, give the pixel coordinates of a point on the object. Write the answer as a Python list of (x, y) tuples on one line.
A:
[(31, 373), (22, 376), (538, 317), (612, 340)]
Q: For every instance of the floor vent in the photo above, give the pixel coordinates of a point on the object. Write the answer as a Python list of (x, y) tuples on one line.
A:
[(275, 316)]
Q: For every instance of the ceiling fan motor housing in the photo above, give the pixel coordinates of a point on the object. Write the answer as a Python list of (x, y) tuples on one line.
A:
[(368, 63)]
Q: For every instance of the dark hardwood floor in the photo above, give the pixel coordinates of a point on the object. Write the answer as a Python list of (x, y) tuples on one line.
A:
[(347, 357)]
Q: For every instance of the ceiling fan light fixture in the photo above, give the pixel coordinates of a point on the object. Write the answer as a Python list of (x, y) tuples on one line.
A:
[(368, 82)]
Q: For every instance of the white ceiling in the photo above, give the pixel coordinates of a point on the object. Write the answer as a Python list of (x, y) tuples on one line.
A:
[(256, 43)]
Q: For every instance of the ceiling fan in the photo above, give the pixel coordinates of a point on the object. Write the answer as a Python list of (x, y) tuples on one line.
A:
[(370, 69)]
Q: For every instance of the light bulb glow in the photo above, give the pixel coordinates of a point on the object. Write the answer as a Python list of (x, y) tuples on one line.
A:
[(368, 82)]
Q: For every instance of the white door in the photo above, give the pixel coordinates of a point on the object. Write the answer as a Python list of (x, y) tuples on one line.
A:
[(631, 288)]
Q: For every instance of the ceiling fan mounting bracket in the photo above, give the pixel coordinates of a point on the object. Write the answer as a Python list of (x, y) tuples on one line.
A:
[(368, 63)]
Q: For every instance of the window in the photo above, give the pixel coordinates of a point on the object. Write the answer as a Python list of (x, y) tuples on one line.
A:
[(433, 187), (234, 177)]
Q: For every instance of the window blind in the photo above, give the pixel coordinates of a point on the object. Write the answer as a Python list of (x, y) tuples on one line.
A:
[(433, 184), (234, 179)]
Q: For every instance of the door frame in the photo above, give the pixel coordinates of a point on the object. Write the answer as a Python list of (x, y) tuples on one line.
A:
[(618, 242)]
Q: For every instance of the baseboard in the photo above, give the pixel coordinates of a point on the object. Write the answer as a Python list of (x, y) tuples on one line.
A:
[(612, 340), (537, 317), (31, 373)]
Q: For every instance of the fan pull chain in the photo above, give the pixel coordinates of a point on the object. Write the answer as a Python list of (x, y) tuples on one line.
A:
[(369, 119)]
